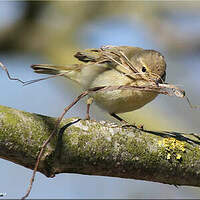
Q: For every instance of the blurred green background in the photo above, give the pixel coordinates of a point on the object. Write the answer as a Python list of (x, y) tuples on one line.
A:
[(51, 32)]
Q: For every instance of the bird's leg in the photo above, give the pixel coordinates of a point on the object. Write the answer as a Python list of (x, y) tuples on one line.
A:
[(118, 118), (125, 124), (89, 102)]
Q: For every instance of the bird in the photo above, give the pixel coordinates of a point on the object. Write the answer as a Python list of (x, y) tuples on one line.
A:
[(109, 66)]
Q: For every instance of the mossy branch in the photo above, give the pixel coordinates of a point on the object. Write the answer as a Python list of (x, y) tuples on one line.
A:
[(99, 148)]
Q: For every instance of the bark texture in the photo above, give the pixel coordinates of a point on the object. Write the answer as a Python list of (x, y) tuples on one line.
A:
[(99, 148)]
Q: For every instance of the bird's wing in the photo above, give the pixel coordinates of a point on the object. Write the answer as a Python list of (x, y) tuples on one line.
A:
[(106, 54)]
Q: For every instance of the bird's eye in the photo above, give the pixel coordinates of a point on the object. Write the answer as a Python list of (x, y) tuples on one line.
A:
[(144, 69)]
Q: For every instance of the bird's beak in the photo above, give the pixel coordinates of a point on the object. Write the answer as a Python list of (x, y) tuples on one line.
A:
[(162, 79)]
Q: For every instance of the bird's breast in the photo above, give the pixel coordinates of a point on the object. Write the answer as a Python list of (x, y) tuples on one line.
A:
[(119, 101)]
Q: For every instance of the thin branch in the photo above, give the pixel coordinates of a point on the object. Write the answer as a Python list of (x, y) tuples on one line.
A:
[(11, 78), (48, 140)]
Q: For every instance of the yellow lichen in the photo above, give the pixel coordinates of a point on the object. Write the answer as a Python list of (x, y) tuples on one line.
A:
[(178, 156), (168, 156), (174, 148)]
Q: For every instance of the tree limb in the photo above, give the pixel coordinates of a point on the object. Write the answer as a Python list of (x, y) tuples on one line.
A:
[(99, 148)]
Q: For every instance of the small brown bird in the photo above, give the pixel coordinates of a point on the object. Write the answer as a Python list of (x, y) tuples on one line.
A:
[(114, 66)]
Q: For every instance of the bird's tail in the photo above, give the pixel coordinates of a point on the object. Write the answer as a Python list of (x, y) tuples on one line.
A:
[(70, 71)]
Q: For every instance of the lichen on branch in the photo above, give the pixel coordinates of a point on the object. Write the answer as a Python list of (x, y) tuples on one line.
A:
[(99, 148)]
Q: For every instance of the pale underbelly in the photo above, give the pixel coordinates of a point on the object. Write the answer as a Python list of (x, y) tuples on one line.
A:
[(120, 101)]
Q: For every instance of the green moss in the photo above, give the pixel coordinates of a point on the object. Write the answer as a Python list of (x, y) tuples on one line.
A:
[(49, 164), (89, 143), (27, 131)]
